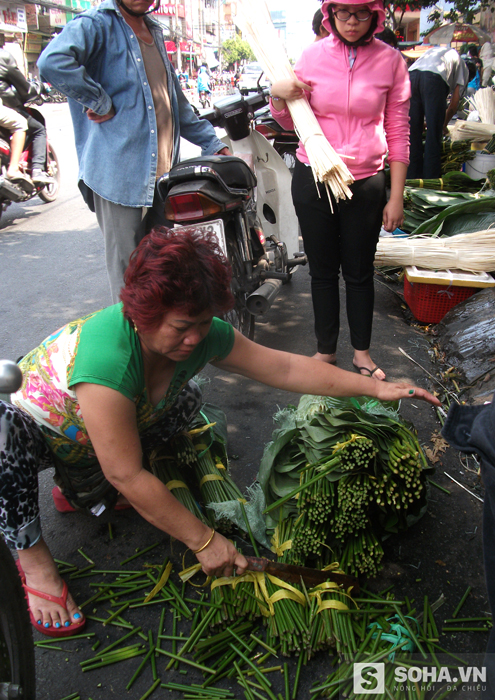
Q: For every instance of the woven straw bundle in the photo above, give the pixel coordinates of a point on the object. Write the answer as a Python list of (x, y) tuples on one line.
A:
[(472, 252)]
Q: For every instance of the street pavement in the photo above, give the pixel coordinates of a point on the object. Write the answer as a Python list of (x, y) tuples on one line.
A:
[(52, 271)]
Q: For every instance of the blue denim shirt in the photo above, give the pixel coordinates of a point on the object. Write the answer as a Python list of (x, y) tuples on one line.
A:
[(96, 61)]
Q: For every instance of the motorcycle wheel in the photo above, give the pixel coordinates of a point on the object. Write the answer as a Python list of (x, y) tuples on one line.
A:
[(49, 193), (239, 316), (16, 639), (288, 154)]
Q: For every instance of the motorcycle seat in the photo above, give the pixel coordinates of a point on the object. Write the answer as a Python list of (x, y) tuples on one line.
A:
[(232, 170)]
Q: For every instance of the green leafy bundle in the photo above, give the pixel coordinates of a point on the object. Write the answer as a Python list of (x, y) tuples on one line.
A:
[(455, 181), (421, 205), (346, 472)]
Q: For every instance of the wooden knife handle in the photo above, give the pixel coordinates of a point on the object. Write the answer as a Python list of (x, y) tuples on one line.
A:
[(256, 563)]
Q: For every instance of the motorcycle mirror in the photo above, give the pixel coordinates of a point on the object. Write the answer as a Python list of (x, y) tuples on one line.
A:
[(10, 377)]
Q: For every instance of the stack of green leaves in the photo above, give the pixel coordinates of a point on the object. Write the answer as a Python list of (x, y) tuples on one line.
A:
[(364, 476), (456, 216), (422, 205)]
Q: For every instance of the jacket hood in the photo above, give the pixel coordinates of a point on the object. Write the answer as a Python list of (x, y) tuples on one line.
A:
[(374, 6)]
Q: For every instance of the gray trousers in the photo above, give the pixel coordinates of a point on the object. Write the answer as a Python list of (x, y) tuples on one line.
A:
[(122, 228)]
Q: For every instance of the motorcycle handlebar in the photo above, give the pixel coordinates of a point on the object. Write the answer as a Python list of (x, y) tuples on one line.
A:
[(255, 102)]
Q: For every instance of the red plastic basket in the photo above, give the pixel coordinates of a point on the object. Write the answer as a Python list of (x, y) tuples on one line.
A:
[(430, 302)]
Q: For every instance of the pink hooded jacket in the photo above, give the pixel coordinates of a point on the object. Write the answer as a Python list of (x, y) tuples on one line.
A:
[(364, 110)]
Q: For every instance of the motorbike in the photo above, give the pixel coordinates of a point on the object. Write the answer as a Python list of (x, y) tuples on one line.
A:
[(17, 192), (17, 668), (283, 141), (245, 200)]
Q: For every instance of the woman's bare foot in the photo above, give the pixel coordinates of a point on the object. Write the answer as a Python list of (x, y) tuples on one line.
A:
[(42, 575), (330, 359), (365, 365)]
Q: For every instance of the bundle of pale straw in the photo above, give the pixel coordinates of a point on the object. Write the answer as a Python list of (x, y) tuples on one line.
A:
[(472, 131), (472, 252), (483, 101), (253, 18)]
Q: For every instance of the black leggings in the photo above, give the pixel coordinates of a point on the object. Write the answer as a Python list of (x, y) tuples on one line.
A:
[(344, 239)]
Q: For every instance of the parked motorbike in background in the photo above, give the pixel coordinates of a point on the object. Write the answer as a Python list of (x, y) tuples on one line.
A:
[(245, 200), (17, 192), (283, 141)]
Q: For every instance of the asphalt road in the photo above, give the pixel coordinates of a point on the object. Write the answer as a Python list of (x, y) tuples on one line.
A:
[(52, 271)]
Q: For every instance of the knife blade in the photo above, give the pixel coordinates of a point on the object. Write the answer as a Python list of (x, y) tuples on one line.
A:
[(293, 574)]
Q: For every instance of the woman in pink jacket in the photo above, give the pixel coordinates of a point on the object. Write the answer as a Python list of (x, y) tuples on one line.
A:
[(359, 90)]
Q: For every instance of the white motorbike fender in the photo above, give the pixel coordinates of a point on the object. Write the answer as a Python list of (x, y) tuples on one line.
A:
[(274, 188)]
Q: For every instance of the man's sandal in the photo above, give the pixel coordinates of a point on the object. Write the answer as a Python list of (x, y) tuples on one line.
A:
[(51, 630)]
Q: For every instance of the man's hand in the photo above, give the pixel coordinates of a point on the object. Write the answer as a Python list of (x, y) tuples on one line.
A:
[(224, 152), (100, 118)]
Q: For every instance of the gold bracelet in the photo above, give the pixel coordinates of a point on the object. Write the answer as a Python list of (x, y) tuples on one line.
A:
[(206, 543)]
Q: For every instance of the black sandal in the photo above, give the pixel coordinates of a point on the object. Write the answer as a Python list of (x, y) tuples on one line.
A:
[(360, 370)]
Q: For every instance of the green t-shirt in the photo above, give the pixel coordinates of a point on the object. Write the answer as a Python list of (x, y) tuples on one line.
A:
[(101, 348)]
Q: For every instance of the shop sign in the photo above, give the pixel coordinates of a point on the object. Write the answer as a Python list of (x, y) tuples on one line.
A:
[(12, 18)]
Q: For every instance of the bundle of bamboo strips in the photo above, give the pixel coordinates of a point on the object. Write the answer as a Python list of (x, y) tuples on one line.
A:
[(484, 102), (474, 131), (472, 252), (253, 18)]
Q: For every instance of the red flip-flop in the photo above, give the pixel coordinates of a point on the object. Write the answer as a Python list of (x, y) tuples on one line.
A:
[(51, 631), (63, 505)]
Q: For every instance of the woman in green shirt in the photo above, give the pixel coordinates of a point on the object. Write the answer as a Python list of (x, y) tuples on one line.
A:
[(100, 390)]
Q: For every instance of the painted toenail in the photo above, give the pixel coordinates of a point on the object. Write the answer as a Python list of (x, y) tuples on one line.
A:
[(39, 622), (77, 616), (47, 624), (67, 624), (57, 625)]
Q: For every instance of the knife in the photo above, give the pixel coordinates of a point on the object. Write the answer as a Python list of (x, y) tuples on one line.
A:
[(293, 574)]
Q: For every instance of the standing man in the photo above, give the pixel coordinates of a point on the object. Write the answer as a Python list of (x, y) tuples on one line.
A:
[(438, 73), (128, 112)]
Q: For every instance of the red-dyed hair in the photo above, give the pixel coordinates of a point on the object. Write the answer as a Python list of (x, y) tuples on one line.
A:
[(169, 270)]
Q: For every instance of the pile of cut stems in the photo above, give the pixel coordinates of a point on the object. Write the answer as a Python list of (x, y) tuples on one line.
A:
[(243, 651)]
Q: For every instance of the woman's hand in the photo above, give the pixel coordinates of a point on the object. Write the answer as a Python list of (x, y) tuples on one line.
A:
[(289, 89), (393, 391), (393, 214), (220, 558)]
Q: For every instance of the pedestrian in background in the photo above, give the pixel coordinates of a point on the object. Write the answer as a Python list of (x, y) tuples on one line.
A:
[(438, 73), (128, 113), (486, 55), (318, 28), (358, 89)]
